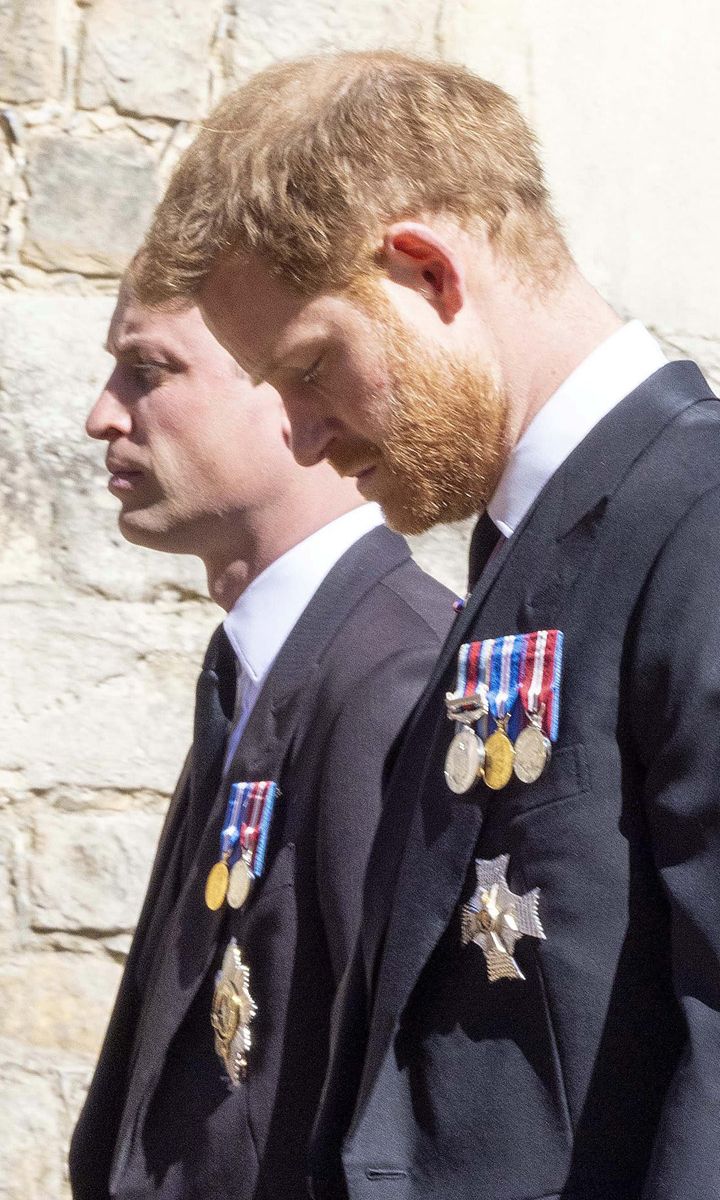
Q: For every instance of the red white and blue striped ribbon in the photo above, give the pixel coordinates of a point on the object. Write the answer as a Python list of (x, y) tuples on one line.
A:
[(540, 678), (247, 822)]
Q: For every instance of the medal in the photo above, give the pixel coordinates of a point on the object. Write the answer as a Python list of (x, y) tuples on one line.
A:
[(495, 918), (539, 692), (217, 882), (239, 884), (464, 760), (466, 706), (532, 753), (233, 1009), (499, 758), (243, 844), (500, 662), (216, 885)]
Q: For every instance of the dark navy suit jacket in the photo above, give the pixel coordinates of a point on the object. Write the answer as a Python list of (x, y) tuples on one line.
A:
[(160, 1119), (598, 1076)]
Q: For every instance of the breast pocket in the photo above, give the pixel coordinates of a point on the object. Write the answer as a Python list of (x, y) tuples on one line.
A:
[(465, 1029)]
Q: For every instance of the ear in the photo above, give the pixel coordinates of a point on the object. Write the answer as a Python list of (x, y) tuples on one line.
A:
[(417, 257)]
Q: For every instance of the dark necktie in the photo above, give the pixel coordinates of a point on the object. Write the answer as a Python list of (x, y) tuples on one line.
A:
[(214, 704), (485, 538)]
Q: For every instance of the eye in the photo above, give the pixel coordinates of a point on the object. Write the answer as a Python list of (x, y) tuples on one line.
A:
[(150, 372), (310, 376)]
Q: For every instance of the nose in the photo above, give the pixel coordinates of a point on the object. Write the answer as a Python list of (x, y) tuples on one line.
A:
[(109, 417), (310, 433)]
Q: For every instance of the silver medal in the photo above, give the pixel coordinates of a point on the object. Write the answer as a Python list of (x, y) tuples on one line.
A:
[(532, 754), (464, 760)]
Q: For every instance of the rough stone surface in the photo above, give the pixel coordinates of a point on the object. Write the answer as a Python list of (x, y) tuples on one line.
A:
[(56, 1003), (88, 871), (7, 890), (100, 694), (30, 63), (267, 30), (31, 1120), (149, 59), (6, 165), (89, 203), (443, 552)]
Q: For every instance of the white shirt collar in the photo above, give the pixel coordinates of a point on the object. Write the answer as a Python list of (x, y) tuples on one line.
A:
[(614, 369), (263, 616)]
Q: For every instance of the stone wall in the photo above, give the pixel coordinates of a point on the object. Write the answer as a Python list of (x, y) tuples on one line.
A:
[(100, 640)]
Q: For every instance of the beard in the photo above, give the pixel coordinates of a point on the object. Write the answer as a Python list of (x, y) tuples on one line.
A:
[(442, 424)]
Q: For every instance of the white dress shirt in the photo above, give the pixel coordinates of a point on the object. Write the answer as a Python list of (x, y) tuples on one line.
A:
[(259, 622), (614, 369)]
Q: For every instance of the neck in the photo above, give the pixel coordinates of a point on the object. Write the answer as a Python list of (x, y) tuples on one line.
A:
[(232, 566), (560, 329)]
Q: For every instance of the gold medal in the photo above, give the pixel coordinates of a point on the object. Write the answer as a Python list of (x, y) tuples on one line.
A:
[(464, 760), (499, 756), (216, 885), (532, 753), (241, 880)]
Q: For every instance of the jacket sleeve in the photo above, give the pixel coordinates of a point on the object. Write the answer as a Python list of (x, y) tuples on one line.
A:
[(675, 680), (361, 739)]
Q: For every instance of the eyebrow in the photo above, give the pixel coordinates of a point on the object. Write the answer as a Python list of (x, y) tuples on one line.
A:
[(263, 374), (138, 344)]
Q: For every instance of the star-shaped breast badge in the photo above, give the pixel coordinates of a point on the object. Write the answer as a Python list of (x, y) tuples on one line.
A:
[(495, 918), (233, 1009)]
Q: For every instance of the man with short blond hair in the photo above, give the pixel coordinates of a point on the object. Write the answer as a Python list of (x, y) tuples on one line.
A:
[(533, 1008), (211, 1070)]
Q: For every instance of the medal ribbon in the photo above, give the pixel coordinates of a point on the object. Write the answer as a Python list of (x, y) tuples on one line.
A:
[(468, 675), (255, 803), (230, 832), (540, 678), (500, 661)]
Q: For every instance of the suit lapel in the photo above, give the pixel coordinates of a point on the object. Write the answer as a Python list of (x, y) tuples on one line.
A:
[(527, 577), (191, 936)]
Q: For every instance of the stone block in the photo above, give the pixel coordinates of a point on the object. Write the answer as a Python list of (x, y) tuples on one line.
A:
[(492, 39), (30, 56), (150, 60), (7, 906), (89, 871), (56, 1004), (90, 202), (57, 519), (443, 552), (99, 694), (6, 170), (267, 30), (31, 1144)]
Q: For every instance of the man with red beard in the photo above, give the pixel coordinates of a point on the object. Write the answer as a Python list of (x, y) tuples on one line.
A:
[(211, 1070), (533, 1008)]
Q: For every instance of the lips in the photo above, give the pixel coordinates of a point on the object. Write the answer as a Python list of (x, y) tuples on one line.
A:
[(123, 477)]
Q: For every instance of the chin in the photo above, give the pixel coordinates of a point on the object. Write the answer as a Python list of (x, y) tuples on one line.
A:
[(412, 520), (152, 537)]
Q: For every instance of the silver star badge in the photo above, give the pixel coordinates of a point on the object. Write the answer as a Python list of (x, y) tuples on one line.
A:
[(233, 1009), (495, 918)]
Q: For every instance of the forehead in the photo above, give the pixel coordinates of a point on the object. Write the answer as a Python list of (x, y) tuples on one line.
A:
[(261, 320), (133, 326)]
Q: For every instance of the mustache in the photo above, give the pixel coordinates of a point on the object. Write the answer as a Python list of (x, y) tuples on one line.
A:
[(350, 458)]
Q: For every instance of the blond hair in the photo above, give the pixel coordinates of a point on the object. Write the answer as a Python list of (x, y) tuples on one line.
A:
[(309, 161)]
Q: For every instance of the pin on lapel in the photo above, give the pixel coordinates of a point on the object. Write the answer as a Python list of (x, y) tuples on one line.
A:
[(495, 918)]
